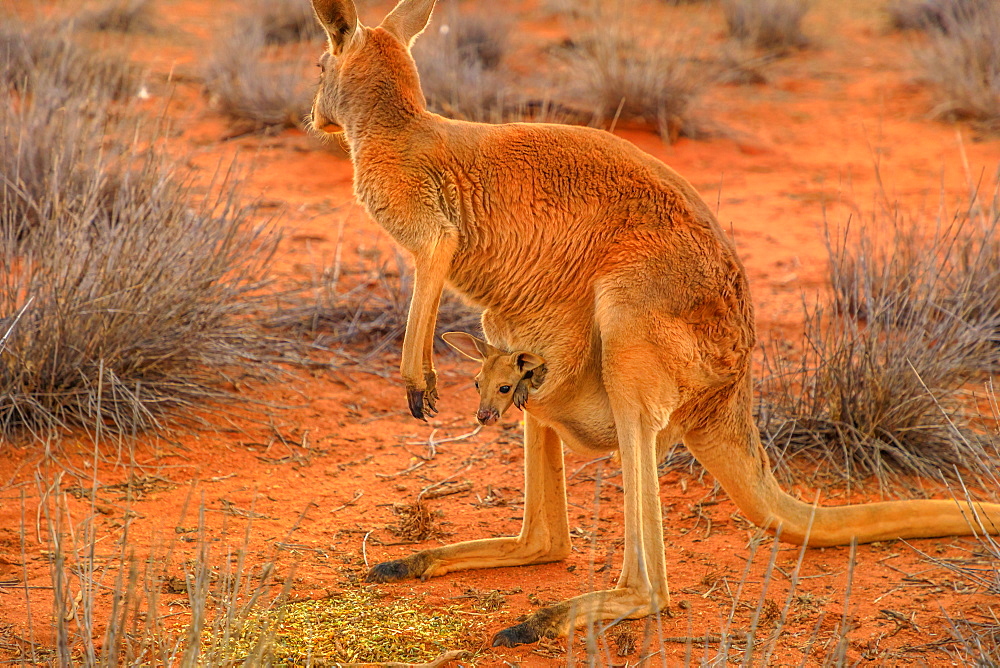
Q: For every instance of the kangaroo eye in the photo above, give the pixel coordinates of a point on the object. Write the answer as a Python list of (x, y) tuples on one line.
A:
[(477, 384), (504, 389)]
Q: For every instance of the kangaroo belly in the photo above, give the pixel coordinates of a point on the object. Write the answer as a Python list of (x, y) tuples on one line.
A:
[(584, 422)]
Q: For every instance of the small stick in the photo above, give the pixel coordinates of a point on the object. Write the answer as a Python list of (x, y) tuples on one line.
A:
[(364, 548), (449, 490), (357, 495), (404, 471), (17, 318)]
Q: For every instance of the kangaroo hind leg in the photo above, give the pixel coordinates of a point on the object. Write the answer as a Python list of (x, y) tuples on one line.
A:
[(642, 400)]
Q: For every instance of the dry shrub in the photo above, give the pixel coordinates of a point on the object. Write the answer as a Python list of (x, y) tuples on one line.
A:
[(878, 389), (929, 14), (260, 87), (774, 25), (961, 58), (224, 597), (281, 21), (364, 306), (44, 57), (977, 643), (121, 16), (623, 78), (901, 274), (135, 285), (460, 61), (417, 522)]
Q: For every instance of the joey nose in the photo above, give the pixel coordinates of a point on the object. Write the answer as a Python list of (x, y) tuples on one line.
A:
[(487, 416)]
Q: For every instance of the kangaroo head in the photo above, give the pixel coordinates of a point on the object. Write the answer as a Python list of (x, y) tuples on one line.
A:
[(367, 74), (504, 379)]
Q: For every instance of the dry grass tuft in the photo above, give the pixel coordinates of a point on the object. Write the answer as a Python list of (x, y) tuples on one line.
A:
[(258, 86), (417, 522), (364, 306), (121, 16), (281, 21), (929, 14), (135, 285), (460, 62), (44, 58), (961, 58), (879, 389), (773, 25), (621, 78), (978, 642)]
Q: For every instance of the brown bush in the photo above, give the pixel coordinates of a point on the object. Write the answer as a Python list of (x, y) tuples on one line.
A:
[(133, 285), (774, 25), (879, 388)]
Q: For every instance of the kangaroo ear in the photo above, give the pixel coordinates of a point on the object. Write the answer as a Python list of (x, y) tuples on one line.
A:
[(527, 361), (469, 345), (340, 20), (408, 19)]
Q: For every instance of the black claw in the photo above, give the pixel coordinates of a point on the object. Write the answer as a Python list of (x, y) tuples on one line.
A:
[(522, 634), (389, 571), (415, 398)]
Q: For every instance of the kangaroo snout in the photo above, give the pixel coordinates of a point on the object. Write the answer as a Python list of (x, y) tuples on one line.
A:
[(487, 416)]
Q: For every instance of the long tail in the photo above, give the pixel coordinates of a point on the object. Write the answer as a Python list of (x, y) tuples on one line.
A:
[(730, 448)]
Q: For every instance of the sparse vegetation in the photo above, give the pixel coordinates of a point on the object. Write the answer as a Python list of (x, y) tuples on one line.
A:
[(623, 79), (929, 14), (879, 389), (130, 292), (961, 58), (773, 25), (460, 61), (281, 21), (364, 305), (45, 58), (134, 284), (259, 87), (121, 16)]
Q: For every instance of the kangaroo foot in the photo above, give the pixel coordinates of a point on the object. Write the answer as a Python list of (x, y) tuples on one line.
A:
[(413, 566), (545, 623)]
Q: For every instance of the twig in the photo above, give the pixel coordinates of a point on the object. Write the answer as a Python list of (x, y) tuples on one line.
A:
[(357, 495), (441, 482), (364, 548), (404, 471), (449, 490), (432, 444), (17, 318)]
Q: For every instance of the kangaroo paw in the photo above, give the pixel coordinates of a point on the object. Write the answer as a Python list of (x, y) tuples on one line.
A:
[(415, 399)]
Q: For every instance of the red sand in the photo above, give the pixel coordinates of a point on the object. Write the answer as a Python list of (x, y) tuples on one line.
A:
[(805, 149)]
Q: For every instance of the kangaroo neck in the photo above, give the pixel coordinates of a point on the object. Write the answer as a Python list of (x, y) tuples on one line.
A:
[(381, 123), (385, 96)]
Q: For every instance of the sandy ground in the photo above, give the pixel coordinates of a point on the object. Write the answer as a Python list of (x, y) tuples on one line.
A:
[(320, 474)]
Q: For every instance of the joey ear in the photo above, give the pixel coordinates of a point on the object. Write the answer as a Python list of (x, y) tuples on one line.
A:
[(527, 361), (469, 345), (340, 20), (408, 19)]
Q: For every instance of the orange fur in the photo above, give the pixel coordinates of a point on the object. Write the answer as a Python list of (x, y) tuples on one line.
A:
[(607, 264)]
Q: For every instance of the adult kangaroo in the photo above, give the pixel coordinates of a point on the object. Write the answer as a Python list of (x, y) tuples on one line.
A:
[(606, 263)]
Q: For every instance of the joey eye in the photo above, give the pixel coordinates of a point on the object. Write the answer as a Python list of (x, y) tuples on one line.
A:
[(504, 389)]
